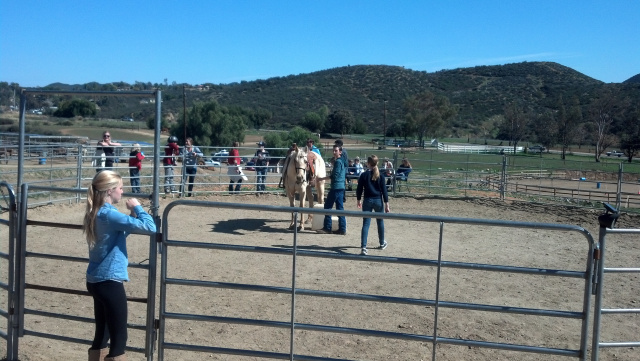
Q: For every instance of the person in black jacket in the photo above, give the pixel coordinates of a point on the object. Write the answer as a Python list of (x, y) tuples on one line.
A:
[(191, 154), (262, 165), (107, 147), (372, 184)]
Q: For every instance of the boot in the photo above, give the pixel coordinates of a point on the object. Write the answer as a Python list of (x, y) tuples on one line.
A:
[(98, 355), (122, 357)]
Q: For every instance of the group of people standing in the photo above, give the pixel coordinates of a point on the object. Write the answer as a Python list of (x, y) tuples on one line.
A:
[(191, 153), (106, 228), (371, 185)]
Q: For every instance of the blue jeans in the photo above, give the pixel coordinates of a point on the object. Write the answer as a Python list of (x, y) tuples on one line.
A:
[(134, 173), (169, 186), (371, 205), (191, 175), (261, 178), (335, 196)]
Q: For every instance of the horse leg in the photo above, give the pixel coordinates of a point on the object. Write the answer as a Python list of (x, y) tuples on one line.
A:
[(292, 198), (303, 194), (310, 199)]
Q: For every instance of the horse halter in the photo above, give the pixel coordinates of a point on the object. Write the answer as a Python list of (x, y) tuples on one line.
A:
[(304, 169)]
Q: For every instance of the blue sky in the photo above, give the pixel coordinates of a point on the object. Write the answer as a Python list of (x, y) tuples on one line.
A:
[(225, 41)]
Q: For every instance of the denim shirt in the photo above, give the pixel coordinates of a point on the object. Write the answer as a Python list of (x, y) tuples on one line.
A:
[(191, 158), (108, 259)]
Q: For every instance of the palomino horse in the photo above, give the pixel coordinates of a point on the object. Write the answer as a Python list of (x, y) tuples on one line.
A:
[(317, 170), (294, 178)]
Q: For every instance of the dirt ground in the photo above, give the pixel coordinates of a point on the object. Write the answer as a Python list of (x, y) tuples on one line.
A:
[(407, 239)]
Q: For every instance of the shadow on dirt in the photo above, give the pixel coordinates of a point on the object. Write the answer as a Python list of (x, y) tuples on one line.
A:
[(241, 226), (339, 249)]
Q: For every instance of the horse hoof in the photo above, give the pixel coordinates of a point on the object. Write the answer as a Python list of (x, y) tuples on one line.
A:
[(307, 221), (291, 226), (300, 228)]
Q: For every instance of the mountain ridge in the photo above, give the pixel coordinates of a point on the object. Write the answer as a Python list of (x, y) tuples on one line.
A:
[(479, 93)]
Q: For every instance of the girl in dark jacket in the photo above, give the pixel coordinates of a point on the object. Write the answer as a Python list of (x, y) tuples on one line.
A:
[(372, 184)]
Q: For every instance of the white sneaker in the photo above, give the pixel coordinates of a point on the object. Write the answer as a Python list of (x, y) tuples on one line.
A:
[(364, 252), (383, 245)]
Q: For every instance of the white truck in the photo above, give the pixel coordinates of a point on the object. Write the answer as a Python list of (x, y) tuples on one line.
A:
[(615, 153)]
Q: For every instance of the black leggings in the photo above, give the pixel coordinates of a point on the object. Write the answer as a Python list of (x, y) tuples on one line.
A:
[(110, 312)]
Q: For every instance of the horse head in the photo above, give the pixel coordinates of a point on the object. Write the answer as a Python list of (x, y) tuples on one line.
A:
[(300, 161)]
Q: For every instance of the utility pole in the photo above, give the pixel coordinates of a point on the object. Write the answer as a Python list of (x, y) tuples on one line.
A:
[(384, 124), (184, 110)]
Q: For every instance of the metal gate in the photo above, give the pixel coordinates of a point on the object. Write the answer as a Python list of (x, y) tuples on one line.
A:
[(21, 253), (22, 303), (9, 205), (297, 255), (607, 222)]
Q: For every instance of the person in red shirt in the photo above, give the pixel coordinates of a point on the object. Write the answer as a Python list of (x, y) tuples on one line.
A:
[(135, 165), (169, 161), (234, 169)]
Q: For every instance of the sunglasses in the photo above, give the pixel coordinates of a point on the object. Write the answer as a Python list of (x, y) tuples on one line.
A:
[(106, 136)]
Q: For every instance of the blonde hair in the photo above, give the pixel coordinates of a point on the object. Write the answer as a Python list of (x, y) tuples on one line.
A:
[(373, 162), (135, 147), (96, 195)]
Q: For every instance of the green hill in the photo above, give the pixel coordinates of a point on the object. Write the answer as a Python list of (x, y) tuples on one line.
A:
[(479, 93)]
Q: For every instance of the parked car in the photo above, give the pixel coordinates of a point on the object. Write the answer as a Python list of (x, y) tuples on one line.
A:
[(537, 149), (208, 163), (250, 165), (615, 153), (221, 156), (127, 119)]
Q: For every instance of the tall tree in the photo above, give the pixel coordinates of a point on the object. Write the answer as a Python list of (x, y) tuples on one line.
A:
[(428, 112), (546, 129), (515, 123), (210, 124), (601, 114), (313, 121), (76, 107), (359, 127), (340, 121), (567, 123), (259, 117), (630, 135)]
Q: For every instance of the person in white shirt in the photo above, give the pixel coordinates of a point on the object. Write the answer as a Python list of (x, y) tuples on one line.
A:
[(358, 166)]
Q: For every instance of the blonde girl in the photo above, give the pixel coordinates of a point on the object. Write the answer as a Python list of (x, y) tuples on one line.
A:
[(106, 230)]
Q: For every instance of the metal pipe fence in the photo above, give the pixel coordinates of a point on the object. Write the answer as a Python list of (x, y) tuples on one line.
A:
[(9, 206), (24, 307), (526, 178), (298, 256), (625, 273), (593, 276)]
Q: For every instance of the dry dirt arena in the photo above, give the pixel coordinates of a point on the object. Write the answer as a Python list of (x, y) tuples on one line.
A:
[(464, 243)]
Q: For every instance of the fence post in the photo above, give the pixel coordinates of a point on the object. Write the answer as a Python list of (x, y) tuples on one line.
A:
[(79, 172), (503, 180), (466, 176), (430, 174), (393, 171), (619, 190)]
